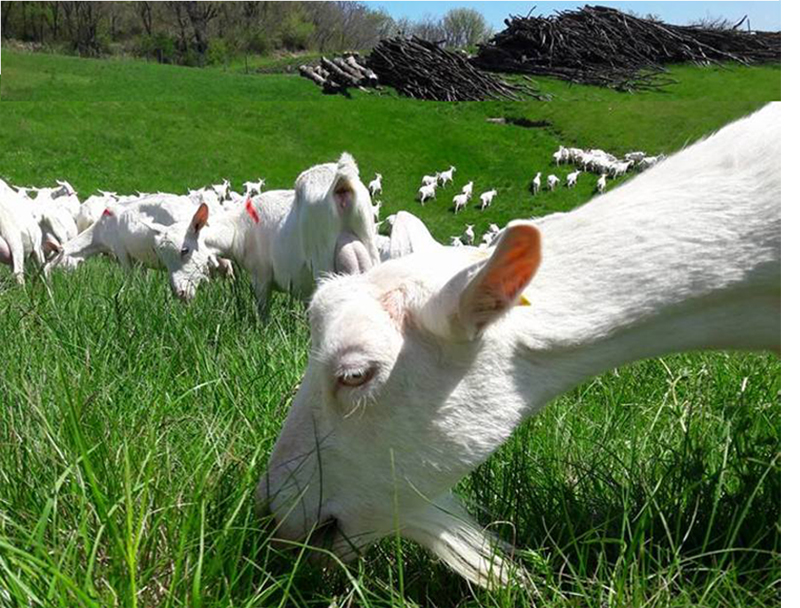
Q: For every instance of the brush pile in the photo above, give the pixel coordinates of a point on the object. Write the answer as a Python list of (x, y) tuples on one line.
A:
[(424, 70), (337, 74), (603, 46)]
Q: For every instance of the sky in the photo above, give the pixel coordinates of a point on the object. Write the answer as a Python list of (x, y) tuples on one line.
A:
[(763, 15)]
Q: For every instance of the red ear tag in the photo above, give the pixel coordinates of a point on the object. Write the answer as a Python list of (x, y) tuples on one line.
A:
[(251, 210), (108, 212)]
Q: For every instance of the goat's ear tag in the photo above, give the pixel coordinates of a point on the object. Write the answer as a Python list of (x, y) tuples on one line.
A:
[(251, 211), (523, 301), (108, 212)]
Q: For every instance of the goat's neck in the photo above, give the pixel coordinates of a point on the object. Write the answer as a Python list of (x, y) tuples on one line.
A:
[(617, 285), (226, 234)]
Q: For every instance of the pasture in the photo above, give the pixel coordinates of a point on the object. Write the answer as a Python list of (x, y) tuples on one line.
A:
[(134, 428)]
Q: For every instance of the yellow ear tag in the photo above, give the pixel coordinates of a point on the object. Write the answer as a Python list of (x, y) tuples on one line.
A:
[(523, 301)]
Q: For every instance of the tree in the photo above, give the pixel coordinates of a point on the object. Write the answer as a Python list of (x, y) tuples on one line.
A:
[(145, 12), (464, 27), (429, 29)]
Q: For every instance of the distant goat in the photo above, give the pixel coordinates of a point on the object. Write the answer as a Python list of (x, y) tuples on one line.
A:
[(487, 198), (376, 185)]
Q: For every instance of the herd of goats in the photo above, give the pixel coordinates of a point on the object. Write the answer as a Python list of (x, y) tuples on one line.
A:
[(284, 239)]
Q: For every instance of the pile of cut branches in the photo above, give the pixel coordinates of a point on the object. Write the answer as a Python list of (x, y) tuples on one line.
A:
[(424, 70), (603, 46), (337, 74)]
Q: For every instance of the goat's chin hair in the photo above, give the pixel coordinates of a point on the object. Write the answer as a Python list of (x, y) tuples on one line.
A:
[(446, 529)]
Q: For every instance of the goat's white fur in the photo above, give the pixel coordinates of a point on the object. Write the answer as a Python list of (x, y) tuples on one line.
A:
[(685, 256)]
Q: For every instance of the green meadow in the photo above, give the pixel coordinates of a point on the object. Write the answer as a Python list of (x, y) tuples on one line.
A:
[(133, 428)]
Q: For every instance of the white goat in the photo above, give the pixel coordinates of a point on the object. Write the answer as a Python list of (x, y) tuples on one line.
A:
[(459, 202), (376, 185), (561, 155), (618, 169), (649, 161), (253, 188), (601, 183), (126, 231), (20, 233), (469, 234), (285, 239), (487, 198), (552, 182), (222, 190), (467, 189), (426, 192), (572, 178), (92, 208), (536, 184), (445, 177), (409, 235), (428, 180), (428, 364)]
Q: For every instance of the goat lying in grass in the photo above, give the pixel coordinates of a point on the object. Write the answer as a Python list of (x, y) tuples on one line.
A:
[(423, 367)]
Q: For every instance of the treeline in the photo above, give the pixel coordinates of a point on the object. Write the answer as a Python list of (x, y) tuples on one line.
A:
[(202, 33)]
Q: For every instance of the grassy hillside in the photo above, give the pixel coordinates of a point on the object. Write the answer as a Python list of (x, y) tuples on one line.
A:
[(174, 145), (41, 77), (133, 428)]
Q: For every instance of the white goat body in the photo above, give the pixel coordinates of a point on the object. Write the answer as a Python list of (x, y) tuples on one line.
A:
[(427, 364)]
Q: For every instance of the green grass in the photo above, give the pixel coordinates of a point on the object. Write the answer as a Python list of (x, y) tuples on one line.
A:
[(44, 77), (133, 428)]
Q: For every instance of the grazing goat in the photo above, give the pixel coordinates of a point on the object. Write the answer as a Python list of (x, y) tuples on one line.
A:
[(447, 176), (552, 182), (423, 367), (572, 178), (426, 192), (487, 198), (428, 180), (285, 239), (561, 155), (467, 189), (376, 185), (126, 231), (20, 233), (459, 202)]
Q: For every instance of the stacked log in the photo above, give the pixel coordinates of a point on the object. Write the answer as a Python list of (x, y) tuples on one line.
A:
[(603, 46), (337, 74)]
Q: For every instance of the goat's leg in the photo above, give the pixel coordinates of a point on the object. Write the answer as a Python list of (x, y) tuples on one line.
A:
[(262, 286)]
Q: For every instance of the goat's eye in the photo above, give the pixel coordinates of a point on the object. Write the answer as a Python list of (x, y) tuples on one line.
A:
[(355, 377), (185, 251)]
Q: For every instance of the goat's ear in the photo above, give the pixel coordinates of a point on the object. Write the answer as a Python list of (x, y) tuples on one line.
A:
[(344, 194), (499, 284), (482, 293), (200, 218)]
